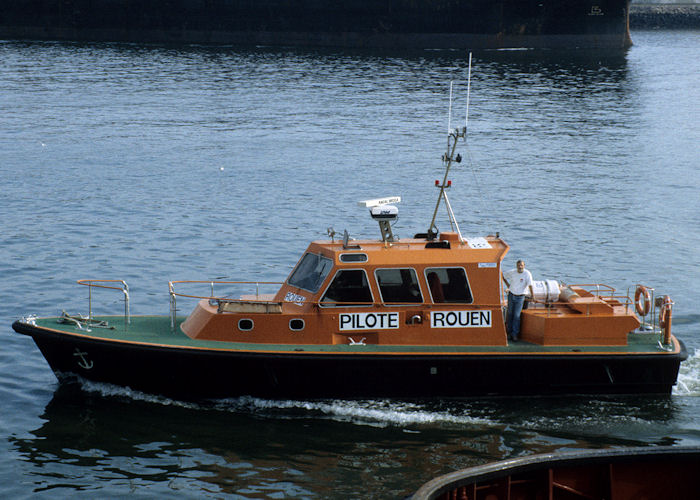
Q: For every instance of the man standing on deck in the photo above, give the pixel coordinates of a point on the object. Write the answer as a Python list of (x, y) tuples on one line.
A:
[(518, 281)]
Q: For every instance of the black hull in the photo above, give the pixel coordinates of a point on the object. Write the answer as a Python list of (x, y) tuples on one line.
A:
[(352, 23), (187, 373)]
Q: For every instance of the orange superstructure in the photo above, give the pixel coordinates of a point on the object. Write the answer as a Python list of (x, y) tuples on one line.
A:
[(408, 292), (444, 291)]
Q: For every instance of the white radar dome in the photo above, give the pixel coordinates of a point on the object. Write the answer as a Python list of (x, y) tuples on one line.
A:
[(384, 212)]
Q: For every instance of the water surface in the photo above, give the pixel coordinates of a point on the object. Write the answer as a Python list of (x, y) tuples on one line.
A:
[(156, 163)]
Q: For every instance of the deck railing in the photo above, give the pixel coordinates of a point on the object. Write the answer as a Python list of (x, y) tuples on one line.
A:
[(599, 290), (606, 293), (211, 296), (124, 288), (602, 291)]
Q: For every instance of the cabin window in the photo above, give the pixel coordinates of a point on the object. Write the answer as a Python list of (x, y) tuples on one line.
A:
[(245, 324), (353, 257), (296, 324), (310, 272), (398, 285), (349, 285), (448, 285)]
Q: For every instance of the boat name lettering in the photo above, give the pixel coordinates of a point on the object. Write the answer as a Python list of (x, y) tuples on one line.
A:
[(295, 298), (460, 319), (367, 321)]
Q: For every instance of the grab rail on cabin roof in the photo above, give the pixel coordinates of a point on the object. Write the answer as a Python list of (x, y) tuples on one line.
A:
[(124, 288), (211, 283)]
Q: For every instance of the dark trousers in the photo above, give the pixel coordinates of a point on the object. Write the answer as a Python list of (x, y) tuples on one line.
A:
[(515, 307)]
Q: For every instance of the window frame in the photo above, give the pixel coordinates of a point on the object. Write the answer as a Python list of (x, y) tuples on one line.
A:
[(466, 277), (362, 257), (343, 304), (320, 256), (399, 304), (241, 329)]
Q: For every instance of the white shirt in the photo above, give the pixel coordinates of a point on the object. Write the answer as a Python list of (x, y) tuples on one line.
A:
[(519, 282)]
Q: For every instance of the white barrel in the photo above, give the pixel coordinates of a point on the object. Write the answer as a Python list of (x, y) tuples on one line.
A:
[(546, 291)]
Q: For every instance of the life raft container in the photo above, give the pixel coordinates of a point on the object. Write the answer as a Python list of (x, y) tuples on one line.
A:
[(546, 290)]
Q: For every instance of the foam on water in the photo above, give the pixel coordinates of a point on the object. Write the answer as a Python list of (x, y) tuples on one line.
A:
[(116, 391), (367, 412), (379, 413), (689, 376)]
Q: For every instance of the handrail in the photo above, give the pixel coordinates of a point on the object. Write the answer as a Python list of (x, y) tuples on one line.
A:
[(597, 286), (174, 294), (124, 289), (171, 287), (599, 290)]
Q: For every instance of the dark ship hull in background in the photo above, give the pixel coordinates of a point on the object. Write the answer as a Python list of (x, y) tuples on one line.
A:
[(453, 24)]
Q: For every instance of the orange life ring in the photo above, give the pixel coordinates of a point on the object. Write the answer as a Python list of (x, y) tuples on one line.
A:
[(642, 307), (665, 312)]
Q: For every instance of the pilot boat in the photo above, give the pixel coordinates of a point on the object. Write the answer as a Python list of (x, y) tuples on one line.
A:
[(421, 317)]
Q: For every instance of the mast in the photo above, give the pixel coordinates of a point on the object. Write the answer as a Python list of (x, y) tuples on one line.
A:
[(448, 158), (453, 137)]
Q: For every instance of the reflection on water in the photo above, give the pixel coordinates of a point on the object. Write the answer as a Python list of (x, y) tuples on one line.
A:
[(251, 446)]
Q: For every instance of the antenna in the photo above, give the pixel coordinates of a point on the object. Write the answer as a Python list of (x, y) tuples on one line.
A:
[(453, 137), (469, 85), (449, 117)]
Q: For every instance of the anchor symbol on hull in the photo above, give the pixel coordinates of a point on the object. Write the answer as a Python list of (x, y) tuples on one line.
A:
[(84, 362)]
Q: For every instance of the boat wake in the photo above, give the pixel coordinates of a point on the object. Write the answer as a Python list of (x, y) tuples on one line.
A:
[(115, 391), (689, 377), (376, 413)]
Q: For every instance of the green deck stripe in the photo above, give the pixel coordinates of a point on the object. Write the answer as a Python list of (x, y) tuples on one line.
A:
[(155, 330)]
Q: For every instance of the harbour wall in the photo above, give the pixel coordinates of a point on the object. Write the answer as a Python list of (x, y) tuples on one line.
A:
[(443, 23), (351, 23)]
